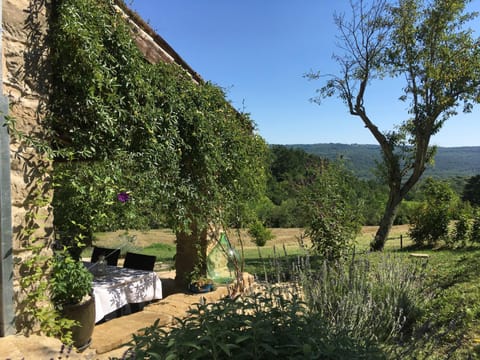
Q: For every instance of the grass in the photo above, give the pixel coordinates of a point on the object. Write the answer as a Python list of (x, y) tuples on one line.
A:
[(161, 243), (453, 315), (163, 252), (287, 238)]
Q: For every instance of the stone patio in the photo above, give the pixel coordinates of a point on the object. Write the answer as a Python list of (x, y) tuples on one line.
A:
[(109, 338)]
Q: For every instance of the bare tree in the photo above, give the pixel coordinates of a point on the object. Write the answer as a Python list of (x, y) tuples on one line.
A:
[(428, 44)]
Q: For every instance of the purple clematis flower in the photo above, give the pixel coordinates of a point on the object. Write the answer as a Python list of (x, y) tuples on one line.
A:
[(123, 197)]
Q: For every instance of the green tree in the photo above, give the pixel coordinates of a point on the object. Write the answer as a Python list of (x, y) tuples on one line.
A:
[(290, 170), (332, 211), (471, 191), (430, 220), (289, 167), (426, 43), (372, 193)]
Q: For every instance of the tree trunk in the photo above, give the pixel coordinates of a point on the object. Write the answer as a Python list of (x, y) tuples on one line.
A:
[(387, 221), (191, 255)]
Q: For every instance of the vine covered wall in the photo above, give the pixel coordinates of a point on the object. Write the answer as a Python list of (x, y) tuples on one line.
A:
[(176, 146)]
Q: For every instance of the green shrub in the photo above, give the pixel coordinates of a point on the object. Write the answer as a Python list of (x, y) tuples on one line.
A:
[(332, 211), (367, 301), (461, 231), (274, 324), (429, 222), (259, 233), (428, 226), (475, 233)]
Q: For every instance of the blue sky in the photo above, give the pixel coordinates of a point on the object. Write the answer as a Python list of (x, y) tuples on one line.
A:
[(259, 52)]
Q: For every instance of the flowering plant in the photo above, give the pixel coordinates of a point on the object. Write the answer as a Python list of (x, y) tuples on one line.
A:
[(123, 196), (201, 284), (202, 281)]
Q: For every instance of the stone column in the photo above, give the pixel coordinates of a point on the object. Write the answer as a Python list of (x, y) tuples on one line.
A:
[(25, 83), (7, 312)]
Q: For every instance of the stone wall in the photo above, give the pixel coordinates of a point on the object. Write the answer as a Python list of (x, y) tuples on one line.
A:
[(25, 84)]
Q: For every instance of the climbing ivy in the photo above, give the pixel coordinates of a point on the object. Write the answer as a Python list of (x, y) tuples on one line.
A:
[(177, 150), (180, 149), (116, 124)]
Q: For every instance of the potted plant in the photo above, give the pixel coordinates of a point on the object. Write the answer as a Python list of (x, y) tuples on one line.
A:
[(201, 284), (71, 295)]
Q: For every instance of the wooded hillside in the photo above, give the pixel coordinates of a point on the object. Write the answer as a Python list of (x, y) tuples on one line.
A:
[(449, 161)]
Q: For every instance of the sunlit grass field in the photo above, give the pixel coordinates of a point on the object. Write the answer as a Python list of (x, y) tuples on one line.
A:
[(161, 243)]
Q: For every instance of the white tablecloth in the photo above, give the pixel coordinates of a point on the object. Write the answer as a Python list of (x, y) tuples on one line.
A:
[(121, 286)]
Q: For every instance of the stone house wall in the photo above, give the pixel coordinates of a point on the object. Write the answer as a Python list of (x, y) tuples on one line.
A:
[(25, 85)]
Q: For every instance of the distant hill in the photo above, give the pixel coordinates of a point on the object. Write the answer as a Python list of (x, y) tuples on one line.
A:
[(449, 161)]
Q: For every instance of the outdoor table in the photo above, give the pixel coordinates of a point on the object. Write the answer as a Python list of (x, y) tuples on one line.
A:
[(122, 286)]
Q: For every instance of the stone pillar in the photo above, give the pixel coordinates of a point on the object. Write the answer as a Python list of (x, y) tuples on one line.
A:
[(7, 312), (25, 83)]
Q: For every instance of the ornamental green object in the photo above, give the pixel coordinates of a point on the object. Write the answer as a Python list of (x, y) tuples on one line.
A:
[(220, 261)]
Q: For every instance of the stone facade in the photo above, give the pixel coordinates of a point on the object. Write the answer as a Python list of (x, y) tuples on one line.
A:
[(25, 85)]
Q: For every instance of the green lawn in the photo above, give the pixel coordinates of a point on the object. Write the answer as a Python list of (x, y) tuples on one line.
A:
[(454, 311)]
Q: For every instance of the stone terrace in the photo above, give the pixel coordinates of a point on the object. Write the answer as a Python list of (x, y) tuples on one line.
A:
[(109, 338)]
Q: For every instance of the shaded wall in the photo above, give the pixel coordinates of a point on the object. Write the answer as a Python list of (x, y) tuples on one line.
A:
[(26, 86)]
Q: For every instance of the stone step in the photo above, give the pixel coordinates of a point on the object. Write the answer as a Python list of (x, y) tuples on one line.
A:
[(117, 332)]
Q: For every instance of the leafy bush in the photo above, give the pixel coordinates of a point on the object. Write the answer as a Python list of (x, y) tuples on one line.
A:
[(284, 215), (70, 280), (429, 223), (475, 232), (462, 231), (259, 233), (367, 301), (332, 211), (271, 325)]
